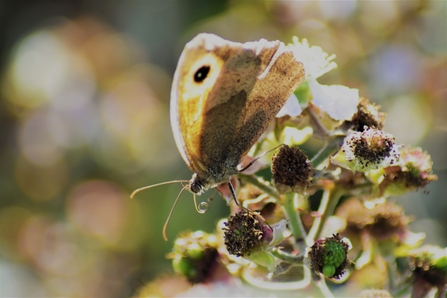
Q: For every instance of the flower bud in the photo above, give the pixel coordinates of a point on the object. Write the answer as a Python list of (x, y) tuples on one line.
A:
[(429, 265)]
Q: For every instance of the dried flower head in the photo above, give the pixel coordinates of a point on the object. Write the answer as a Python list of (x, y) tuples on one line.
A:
[(291, 169), (246, 232), (367, 115), (367, 150), (329, 256), (382, 221), (195, 255), (413, 172), (388, 221)]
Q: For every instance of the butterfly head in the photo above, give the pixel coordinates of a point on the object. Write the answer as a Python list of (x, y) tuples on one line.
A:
[(196, 186)]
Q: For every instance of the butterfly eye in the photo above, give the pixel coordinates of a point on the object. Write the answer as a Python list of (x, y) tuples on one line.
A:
[(201, 74)]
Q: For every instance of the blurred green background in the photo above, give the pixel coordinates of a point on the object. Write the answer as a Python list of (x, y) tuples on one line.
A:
[(84, 101)]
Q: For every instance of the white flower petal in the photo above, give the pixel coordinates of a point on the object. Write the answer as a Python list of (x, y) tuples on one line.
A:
[(291, 108), (339, 102), (316, 62)]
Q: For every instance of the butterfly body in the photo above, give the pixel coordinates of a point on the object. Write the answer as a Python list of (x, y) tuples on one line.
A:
[(224, 96)]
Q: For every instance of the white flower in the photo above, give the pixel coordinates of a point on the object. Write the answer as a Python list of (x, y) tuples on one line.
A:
[(339, 102)]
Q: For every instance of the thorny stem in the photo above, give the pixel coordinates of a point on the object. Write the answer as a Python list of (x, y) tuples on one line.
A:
[(295, 223), (326, 209), (261, 184)]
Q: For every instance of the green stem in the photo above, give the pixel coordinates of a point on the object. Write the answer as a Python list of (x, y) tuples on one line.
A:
[(367, 252), (291, 259), (403, 291), (392, 273), (322, 286), (261, 184), (331, 147), (278, 286), (319, 128), (294, 221), (327, 207)]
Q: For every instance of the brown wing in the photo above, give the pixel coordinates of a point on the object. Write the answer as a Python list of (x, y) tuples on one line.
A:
[(222, 116)]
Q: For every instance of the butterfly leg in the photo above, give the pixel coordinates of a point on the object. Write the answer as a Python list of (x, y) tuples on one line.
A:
[(254, 160), (233, 193)]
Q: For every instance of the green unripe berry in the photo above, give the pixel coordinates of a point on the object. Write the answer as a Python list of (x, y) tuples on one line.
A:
[(329, 256), (329, 270), (334, 254)]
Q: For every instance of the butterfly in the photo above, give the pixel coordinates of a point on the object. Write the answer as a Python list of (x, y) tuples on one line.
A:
[(224, 95)]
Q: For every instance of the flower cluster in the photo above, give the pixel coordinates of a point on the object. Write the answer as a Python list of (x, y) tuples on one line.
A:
[(332, 212)]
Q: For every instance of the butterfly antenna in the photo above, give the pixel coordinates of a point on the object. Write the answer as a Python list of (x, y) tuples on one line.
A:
[(170, 213), (154, 185), (256, 159)]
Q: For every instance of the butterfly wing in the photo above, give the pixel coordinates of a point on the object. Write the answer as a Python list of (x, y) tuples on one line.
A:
[(224, 96)]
